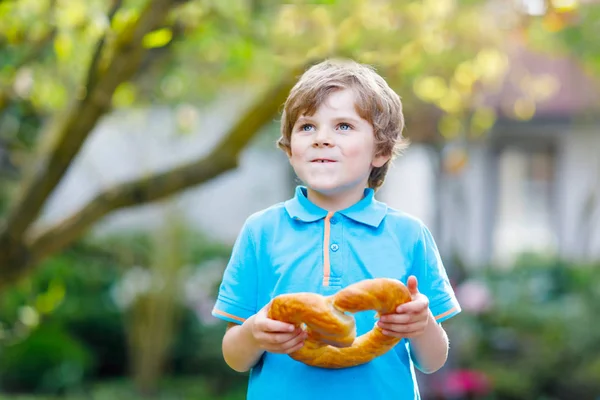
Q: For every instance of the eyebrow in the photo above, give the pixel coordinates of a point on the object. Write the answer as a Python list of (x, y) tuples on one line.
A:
[(337, 119)]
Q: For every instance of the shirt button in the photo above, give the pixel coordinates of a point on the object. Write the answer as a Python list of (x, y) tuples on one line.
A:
[(333, 220), (334, 247)]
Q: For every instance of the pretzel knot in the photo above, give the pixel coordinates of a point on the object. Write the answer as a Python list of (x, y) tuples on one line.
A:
[(332, 341)]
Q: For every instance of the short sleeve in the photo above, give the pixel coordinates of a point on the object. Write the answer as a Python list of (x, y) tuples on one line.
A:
[(432, 277), (237, 297)]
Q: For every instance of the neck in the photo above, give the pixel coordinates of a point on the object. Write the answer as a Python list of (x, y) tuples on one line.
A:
[(338, 201)]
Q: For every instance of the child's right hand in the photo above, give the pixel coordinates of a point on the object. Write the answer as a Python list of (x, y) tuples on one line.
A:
[(276, 336)]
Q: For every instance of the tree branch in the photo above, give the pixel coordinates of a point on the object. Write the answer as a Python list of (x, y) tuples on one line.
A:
[(71, 131), (93, 68), (224, 157)]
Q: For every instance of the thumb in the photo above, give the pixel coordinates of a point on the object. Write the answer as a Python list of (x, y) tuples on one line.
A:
[(413, 285)]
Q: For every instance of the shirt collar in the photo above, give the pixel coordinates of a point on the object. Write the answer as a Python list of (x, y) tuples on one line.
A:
[(367, 211)]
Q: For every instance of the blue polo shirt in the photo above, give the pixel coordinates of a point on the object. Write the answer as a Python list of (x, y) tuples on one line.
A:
[(296, 246)]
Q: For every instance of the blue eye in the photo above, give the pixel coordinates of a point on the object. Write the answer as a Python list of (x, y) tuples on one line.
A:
[(344, 126), (306, 127)]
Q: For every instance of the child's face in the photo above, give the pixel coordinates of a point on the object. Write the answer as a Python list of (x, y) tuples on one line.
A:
[(333, 151)]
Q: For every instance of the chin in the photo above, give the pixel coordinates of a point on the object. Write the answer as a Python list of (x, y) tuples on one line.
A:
[(326, 188)]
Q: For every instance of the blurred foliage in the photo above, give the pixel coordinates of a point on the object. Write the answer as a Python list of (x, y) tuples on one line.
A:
[(569, 29), (48, 360), (442, 56), (71, 287), (170, 389), (62, 328), (435, 52), (536, 339)]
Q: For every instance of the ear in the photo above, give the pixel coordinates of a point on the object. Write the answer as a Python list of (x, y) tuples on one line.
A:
[(286, 149), (380, 160)]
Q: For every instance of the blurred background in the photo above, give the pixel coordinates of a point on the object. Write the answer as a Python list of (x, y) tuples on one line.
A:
[(136, 136)]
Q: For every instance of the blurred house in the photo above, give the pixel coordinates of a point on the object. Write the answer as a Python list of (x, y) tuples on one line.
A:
[(525, 186), (529, 185)]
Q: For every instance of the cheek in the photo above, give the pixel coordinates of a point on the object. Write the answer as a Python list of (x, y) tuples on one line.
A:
[(297, 151), (359, 151)]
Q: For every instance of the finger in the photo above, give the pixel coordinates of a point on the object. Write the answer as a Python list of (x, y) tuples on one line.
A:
[(290, 349), (294, 344), (391, 327), (276, 345), (413, 307), (396, 318), (392, 333), (297, 347), (413, 285), (402, 328), (403, 335), (276, 338), (271, 325)]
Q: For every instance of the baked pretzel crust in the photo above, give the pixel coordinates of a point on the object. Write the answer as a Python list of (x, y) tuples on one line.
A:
[(332, 341)]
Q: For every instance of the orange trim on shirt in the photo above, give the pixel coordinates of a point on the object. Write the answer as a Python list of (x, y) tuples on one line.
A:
[(223, 313), (326, 264), (453, 309)]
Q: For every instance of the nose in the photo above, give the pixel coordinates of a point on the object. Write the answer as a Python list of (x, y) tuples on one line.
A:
[(322, 138)]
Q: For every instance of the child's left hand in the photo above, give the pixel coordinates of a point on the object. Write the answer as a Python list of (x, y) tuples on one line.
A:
[(410, 319)]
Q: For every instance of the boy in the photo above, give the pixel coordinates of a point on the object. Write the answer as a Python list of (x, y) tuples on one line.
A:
[(341, 127)]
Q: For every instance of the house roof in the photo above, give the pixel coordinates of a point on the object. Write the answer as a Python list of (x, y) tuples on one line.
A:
[(563, 87)]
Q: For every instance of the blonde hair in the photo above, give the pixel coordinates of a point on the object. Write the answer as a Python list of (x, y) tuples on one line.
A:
[(376, 102)]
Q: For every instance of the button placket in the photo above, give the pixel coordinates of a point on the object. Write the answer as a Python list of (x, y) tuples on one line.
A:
[(335, 247)]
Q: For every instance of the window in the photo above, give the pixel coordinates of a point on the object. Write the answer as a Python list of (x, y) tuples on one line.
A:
[(524, 219)]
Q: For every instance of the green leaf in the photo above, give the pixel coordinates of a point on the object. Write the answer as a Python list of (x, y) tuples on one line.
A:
[(63, 46), (158, 38), (124, 95)]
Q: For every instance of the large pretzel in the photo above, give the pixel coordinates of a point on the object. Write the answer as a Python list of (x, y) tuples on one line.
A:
[(332, 341)]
